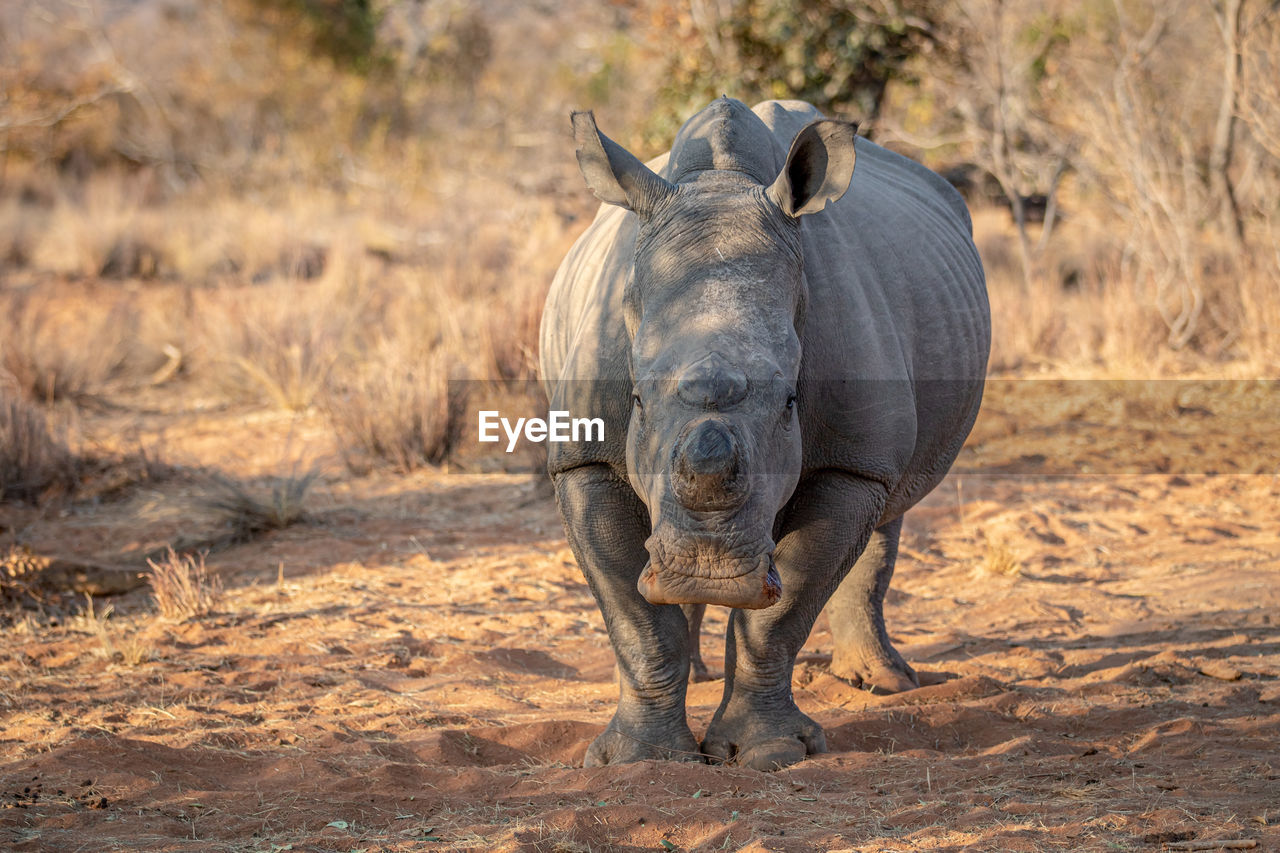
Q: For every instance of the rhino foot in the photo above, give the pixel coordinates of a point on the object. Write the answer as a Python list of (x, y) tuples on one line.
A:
[(863, 655), (880, 671), (618, 746), (764, 741)]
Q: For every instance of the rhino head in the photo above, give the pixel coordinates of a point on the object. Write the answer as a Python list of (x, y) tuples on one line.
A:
[(714, 309)]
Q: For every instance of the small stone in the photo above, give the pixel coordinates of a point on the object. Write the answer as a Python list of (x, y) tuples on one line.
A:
[(1220, 670)]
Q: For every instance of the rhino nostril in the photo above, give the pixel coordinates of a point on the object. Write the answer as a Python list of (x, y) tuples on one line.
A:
[(709, 450), (707, 468)]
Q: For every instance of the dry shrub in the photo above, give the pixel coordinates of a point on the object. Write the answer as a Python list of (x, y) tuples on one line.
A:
[(33, 463), (1260, 315), (98, 228), (215, 237), (110, 227), (92, 621), (401, 410), (132, 651), (181, 586), (510, 313), (65, 345), (1103, 326), (349, 240), (398, 400), (1103, 321), (1156, 153), (277, 342), (1085, 314), (248, 512), (1000, 559), (510, 328), (1163, 182), (17, 233), (1260, 105)]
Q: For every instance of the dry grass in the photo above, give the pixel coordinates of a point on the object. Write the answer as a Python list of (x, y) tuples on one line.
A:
[(33, 463), (1088, 315), (113, 645), (93, 622), (400, 411), (57, 345), (373, 335), (247, 512), (277, 343), (1259, 319), (1000, 559), (469, 313), (181, 586)]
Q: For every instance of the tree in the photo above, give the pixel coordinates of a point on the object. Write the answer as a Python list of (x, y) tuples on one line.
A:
[(839, 56), (992, 69)]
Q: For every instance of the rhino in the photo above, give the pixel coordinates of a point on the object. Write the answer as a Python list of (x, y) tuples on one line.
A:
[(785, 328)]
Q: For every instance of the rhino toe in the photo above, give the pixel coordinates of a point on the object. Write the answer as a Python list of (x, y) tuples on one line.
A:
[(615, 746), (760, 747), (774, 754), (879, 677)]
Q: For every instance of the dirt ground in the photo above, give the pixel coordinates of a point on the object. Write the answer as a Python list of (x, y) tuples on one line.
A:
[(420, 666)]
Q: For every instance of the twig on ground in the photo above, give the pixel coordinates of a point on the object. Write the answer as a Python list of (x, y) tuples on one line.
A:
[(1233, 844)]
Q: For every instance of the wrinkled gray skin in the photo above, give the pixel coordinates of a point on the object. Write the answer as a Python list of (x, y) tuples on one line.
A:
[(783, 367)]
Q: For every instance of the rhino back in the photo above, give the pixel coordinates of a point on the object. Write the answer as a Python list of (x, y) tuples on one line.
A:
[(898, 328)]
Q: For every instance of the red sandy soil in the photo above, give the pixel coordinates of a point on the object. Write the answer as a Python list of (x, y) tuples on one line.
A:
[(419, 666)]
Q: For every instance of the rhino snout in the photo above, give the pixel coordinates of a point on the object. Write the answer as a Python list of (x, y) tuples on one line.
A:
[(707, 467)]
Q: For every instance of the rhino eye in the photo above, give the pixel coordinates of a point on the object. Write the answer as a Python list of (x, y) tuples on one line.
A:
[(791, 403), (635, 401)]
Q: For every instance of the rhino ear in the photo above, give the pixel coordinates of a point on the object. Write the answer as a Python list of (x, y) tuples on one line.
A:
[(613, 173), (819, 167)]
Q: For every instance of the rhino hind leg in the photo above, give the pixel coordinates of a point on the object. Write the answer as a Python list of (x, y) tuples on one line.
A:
[(863, 653), (829, 522), (607, 526)]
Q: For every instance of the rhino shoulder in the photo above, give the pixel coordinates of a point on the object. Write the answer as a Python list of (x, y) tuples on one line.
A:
[(892, 167), (583, 341)]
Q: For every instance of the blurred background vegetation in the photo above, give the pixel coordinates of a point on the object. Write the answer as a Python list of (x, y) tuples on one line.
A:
[(339, 205)]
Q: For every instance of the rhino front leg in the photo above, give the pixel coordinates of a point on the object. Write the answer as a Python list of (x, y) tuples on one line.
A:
[(829, 521), (607, 525), (863, 653)]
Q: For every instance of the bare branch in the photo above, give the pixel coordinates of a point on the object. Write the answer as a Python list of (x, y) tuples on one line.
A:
[(56, 117)]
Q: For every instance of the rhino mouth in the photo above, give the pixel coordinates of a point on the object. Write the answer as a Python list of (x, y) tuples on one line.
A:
[(702, 572)]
